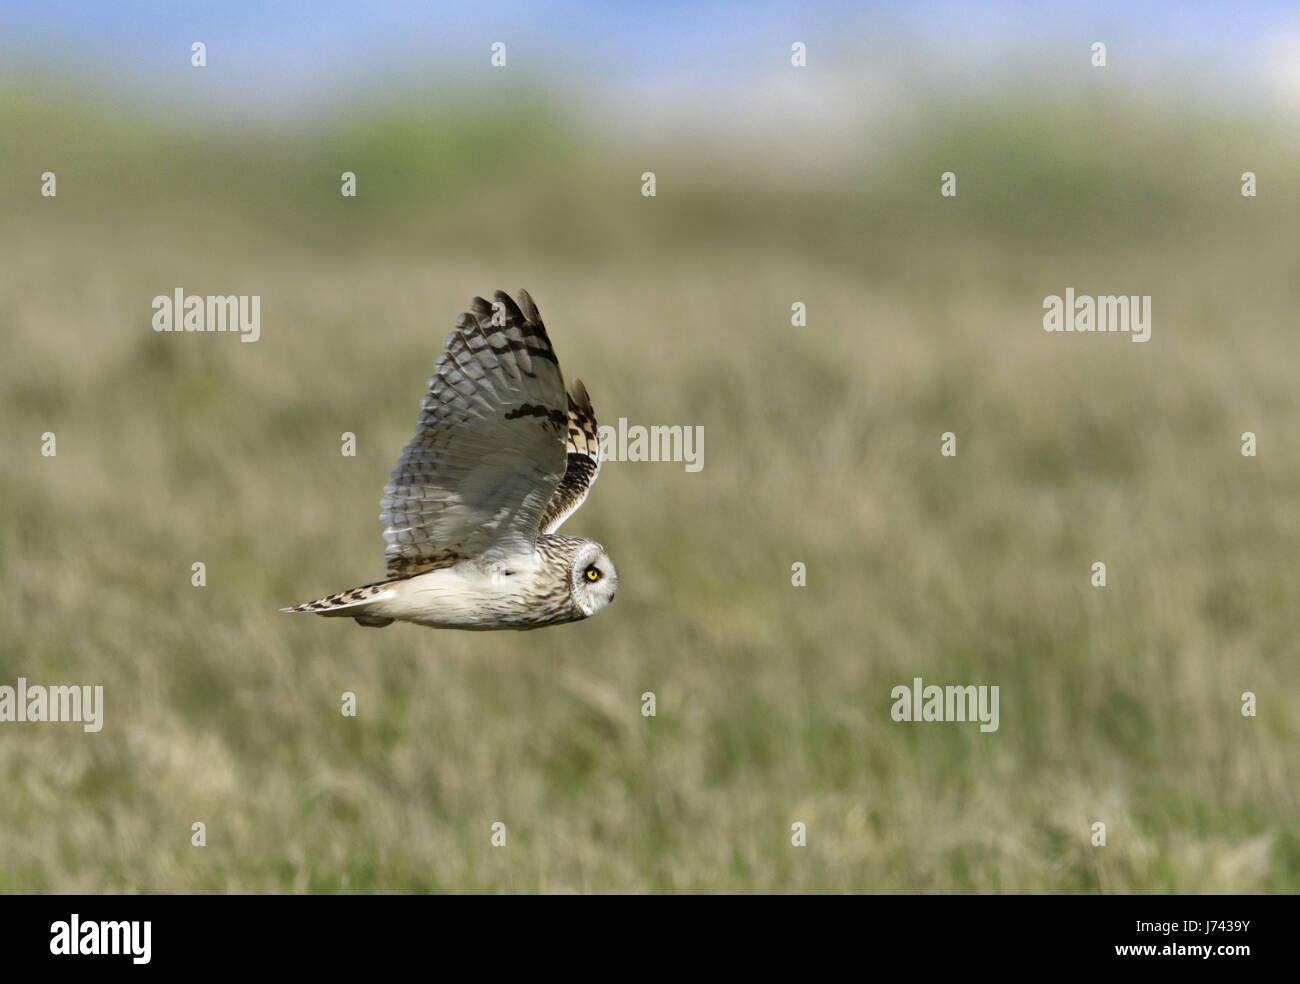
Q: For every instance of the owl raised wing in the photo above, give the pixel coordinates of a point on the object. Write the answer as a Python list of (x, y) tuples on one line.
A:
[(495, 440)]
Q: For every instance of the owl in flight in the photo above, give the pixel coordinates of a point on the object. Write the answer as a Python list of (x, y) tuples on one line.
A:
[(502, 455)]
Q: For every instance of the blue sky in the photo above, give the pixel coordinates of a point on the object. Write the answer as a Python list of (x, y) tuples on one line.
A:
[(264, 57)]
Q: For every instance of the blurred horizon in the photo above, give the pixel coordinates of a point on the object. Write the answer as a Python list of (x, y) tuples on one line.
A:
[(306, 64)]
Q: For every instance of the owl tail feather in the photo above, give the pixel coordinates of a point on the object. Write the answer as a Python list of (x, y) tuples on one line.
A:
[(353, 603)]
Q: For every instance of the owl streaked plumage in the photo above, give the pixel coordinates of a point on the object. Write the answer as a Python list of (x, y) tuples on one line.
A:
[(502, 455)]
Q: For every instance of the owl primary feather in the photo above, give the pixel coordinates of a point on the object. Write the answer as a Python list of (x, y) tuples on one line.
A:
[(502, 455)]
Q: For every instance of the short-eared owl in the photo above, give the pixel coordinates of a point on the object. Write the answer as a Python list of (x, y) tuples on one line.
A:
[(502, 455)]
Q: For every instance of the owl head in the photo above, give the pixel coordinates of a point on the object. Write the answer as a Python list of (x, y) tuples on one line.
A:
[(592, 578)]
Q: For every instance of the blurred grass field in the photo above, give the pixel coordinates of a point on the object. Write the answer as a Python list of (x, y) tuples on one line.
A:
[(821, 446)]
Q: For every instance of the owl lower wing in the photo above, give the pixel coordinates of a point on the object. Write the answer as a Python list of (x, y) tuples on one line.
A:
[(489, 449), (583, 452)]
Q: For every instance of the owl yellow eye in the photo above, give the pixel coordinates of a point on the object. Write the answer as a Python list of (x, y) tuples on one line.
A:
[(592, 574)]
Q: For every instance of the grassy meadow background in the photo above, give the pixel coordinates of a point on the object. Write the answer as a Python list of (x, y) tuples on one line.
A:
[(821, 446)]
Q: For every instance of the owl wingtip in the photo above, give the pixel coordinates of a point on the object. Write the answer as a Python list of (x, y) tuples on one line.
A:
[(529, 307)]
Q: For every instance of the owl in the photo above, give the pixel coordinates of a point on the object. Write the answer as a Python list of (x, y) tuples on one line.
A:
[(502, 455)]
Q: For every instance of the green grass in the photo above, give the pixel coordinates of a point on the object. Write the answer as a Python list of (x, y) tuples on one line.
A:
[(822, 446)]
